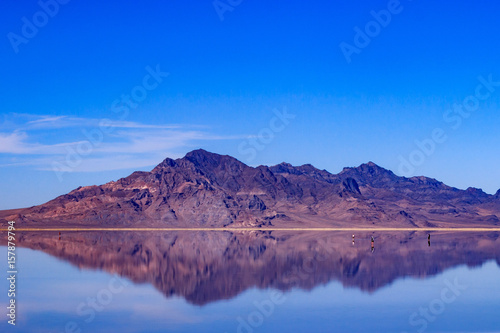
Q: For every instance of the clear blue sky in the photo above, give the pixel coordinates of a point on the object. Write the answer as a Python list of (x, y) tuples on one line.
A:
[(228, 78)]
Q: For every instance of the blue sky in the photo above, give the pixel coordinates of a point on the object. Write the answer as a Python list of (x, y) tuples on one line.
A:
[(194, 80)]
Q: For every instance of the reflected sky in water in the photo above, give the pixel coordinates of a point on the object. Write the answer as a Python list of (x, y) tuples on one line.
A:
[(275, 282)]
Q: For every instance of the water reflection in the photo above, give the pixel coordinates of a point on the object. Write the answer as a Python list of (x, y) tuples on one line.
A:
[(203, 267)]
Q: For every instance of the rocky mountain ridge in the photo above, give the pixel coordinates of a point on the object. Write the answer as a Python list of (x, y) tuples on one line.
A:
[(204, 189)]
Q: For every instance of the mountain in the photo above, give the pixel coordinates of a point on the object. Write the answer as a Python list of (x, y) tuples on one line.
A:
[(204, 189)]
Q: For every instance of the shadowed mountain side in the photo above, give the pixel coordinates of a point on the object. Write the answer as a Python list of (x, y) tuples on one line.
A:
[(204, 189), (204, 267)]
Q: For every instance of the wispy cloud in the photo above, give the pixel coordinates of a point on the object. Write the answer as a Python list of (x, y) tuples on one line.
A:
[(83, 146), (40, 122)]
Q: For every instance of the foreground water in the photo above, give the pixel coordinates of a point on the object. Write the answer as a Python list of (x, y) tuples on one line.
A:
[(256, 282)]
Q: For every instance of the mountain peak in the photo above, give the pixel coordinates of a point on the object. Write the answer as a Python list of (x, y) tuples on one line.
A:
[(476, 191), (371, 165), (200, 158), (203, 157), (200, 152), (218, 168), (370, 173), (285, 164), (308, 166), (366, 168), (284, 167), (168, 162), (373, 169)]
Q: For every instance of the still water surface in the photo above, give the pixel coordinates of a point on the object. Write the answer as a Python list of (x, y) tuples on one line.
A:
[(256, 282)]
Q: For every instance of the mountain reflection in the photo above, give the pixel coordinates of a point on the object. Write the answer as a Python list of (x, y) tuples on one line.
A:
[(204, 267)]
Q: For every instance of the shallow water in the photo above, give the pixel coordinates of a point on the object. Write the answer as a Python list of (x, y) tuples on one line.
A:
[(256, 282)]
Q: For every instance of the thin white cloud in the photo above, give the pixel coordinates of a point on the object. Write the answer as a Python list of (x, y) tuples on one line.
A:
[(58, 122), (13, 143), (83, 145), (46, 119), (17, 143)]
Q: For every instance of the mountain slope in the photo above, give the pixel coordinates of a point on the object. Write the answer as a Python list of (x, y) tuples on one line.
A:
[(207, 189)]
